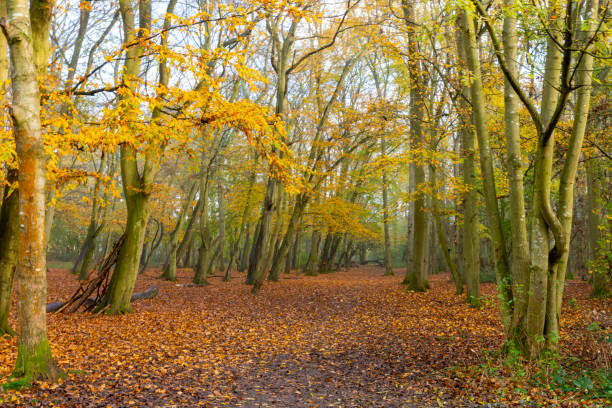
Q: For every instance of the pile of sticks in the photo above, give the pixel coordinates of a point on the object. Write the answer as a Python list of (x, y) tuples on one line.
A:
[(91, 291)]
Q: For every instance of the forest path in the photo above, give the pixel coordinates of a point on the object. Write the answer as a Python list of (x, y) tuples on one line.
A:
[(348, 339)]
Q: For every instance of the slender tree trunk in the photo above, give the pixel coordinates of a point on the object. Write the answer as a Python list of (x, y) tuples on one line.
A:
[(9, 249), (263, 245), (295, 256), (363, 252), (283, 250), (324, 258), (289, 257), (183, 251), (310, 269), (388, 266), (206, 246), (502, 267), (221, 200), (93, 230), (9, 213), (252, 254), (601, 284), (444, 247), (243, 226), (153, 245), (169, 271), (518, 223), (568, 174)]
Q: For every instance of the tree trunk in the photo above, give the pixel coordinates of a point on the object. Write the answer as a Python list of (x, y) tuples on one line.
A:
[(263, 248), (502, 268), (89, 246), (388, 266), (243, 226), (417, 273), (9, 213), (206, 246), (282, 253), (581, 115), (470, 234), (183, 251), (243, 262), (444, 247), (295, 261), (541, 318), (310, 269), (169, 271), (152, 247), (126, 271), (601, 284), (9, 249), (34, 359), (221, 218), (325, 254), (518, 224), (137, 185)]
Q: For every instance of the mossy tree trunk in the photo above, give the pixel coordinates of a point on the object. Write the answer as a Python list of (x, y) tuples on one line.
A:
[(29, 52), (538, 331), (136, 187), (541, 324), (479, 117), (514, 164)]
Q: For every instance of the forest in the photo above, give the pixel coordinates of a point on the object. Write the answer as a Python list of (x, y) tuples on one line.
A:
[(304, 203)]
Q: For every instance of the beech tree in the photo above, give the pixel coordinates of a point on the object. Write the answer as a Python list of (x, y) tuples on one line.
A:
[(27, 31)]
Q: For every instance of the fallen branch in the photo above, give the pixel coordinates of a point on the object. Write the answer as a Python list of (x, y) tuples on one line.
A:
[(89, 303)]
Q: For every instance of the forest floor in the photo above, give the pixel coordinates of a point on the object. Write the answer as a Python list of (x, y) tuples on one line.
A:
[(348, 339)]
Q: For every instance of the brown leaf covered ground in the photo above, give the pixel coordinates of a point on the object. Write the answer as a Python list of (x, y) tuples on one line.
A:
[(349, 339)]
